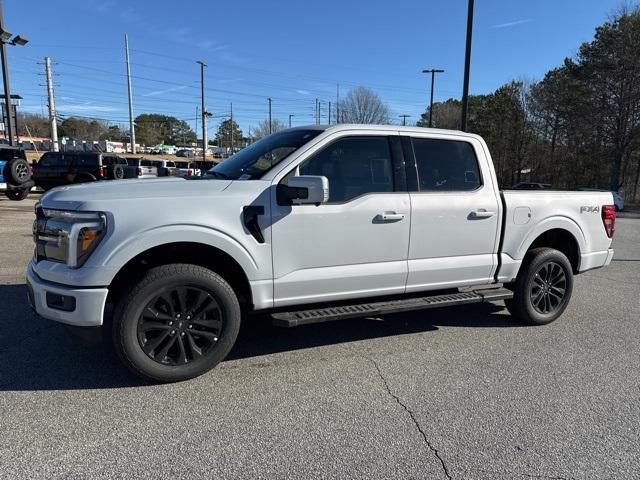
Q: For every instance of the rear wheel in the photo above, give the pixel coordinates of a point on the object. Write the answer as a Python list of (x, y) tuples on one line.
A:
[(177, 323), (543, 287), (116, 172)]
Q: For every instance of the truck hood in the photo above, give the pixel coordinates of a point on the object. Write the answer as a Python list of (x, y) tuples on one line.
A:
[(73, 197)]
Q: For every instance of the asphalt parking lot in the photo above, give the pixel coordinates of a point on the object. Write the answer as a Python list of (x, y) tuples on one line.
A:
[(461, 393)]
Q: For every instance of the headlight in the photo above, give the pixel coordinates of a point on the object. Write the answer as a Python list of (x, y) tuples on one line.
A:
[(67, 236)]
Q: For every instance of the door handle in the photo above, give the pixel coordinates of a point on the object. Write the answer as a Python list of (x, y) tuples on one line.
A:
[(481, 213), (390, 216)]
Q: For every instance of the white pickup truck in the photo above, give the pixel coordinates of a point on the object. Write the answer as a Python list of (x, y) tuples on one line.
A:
[(309, 224)]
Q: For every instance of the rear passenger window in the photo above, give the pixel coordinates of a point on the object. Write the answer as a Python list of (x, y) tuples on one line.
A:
[(87, 160), (55, 160), (354, 166), (446, 165)]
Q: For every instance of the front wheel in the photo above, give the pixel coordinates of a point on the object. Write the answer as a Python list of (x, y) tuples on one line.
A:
[(176, 323), (17, 195), (543, 287)]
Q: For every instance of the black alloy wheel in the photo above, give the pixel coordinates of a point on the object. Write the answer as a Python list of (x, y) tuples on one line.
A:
[(548, 288), (543, 287), (180, 325), (176, 322), (17, 195)]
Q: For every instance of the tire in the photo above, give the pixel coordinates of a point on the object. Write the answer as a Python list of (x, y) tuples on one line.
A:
[(117, 172), (17, 195), (543, 287), (153, 333), (16, 171)]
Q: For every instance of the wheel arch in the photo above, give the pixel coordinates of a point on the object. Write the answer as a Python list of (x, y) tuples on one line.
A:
[(561, 234), (188, 252)]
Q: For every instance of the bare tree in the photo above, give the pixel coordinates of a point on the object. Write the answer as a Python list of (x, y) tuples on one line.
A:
[(362, 105), (262, 130), (33, 124)]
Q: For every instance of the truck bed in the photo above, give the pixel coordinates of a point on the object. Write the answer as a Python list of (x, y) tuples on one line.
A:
[(526, 214)]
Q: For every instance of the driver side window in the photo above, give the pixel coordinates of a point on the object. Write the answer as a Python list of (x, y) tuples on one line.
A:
[(354, 166)]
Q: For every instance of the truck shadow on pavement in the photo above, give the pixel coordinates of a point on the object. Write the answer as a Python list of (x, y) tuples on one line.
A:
[(37, 354)]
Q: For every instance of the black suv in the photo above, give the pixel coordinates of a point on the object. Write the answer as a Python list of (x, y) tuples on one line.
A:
[(62, 168)]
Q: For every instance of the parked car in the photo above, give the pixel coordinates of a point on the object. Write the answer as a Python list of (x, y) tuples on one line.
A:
[(15, 173), (143, 170), (309, 224), (64, 168), (165, 168), (617, 198), (204, 165), (531, 186), (187, 169), (185, 152)]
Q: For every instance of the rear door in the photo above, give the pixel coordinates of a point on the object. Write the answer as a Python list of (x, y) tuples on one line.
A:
[(85, 167), (454, 214), (52, 169)]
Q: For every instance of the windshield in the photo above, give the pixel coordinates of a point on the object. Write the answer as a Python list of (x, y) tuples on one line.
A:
[(253, 161)]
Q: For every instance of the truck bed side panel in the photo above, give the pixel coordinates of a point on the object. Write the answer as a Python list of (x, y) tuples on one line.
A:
[(529, 214)]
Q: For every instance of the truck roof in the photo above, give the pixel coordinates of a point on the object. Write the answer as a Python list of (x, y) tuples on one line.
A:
[(391, 128)]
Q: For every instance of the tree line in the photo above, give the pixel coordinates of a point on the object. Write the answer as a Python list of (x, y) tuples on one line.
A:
[(577, 127)]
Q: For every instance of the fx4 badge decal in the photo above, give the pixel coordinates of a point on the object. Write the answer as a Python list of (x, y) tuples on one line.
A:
[(590, 209)]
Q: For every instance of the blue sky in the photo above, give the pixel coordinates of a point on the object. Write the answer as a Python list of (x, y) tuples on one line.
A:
[(292, 51)]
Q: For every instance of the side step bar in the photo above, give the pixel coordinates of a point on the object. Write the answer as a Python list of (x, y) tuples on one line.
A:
[(327, 314)]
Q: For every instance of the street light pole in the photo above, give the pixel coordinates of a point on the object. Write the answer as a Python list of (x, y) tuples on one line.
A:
[(467, 65), (433, 72), (5, 37), (132, 128), (270, 131), (204, 112), (290, 115)]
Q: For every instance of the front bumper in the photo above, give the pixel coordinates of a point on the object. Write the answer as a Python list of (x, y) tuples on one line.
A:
[(88, 303)]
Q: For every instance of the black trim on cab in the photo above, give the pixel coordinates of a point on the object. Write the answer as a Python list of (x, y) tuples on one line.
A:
[(411, 168), (398, 162)]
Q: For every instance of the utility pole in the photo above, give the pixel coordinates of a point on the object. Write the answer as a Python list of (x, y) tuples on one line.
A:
[(317, 112), (132, 131), (231, 128), (433, 72), (404, 119), (5, 80), (52, 104), (290, 115), (270, 129), (204, 111), (196, 129), (467, 66), (337, 103), (329, 115)]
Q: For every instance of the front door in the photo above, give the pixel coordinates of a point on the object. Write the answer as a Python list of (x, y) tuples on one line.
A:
[(356, 244)]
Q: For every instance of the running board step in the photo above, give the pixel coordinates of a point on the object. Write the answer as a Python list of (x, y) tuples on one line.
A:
[(327, 314)]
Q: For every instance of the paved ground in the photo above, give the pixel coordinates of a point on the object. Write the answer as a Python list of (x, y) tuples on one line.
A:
[(460, 393)]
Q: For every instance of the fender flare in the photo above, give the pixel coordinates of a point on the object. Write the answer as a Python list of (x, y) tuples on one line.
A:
[(121, 254), (553, 223)]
